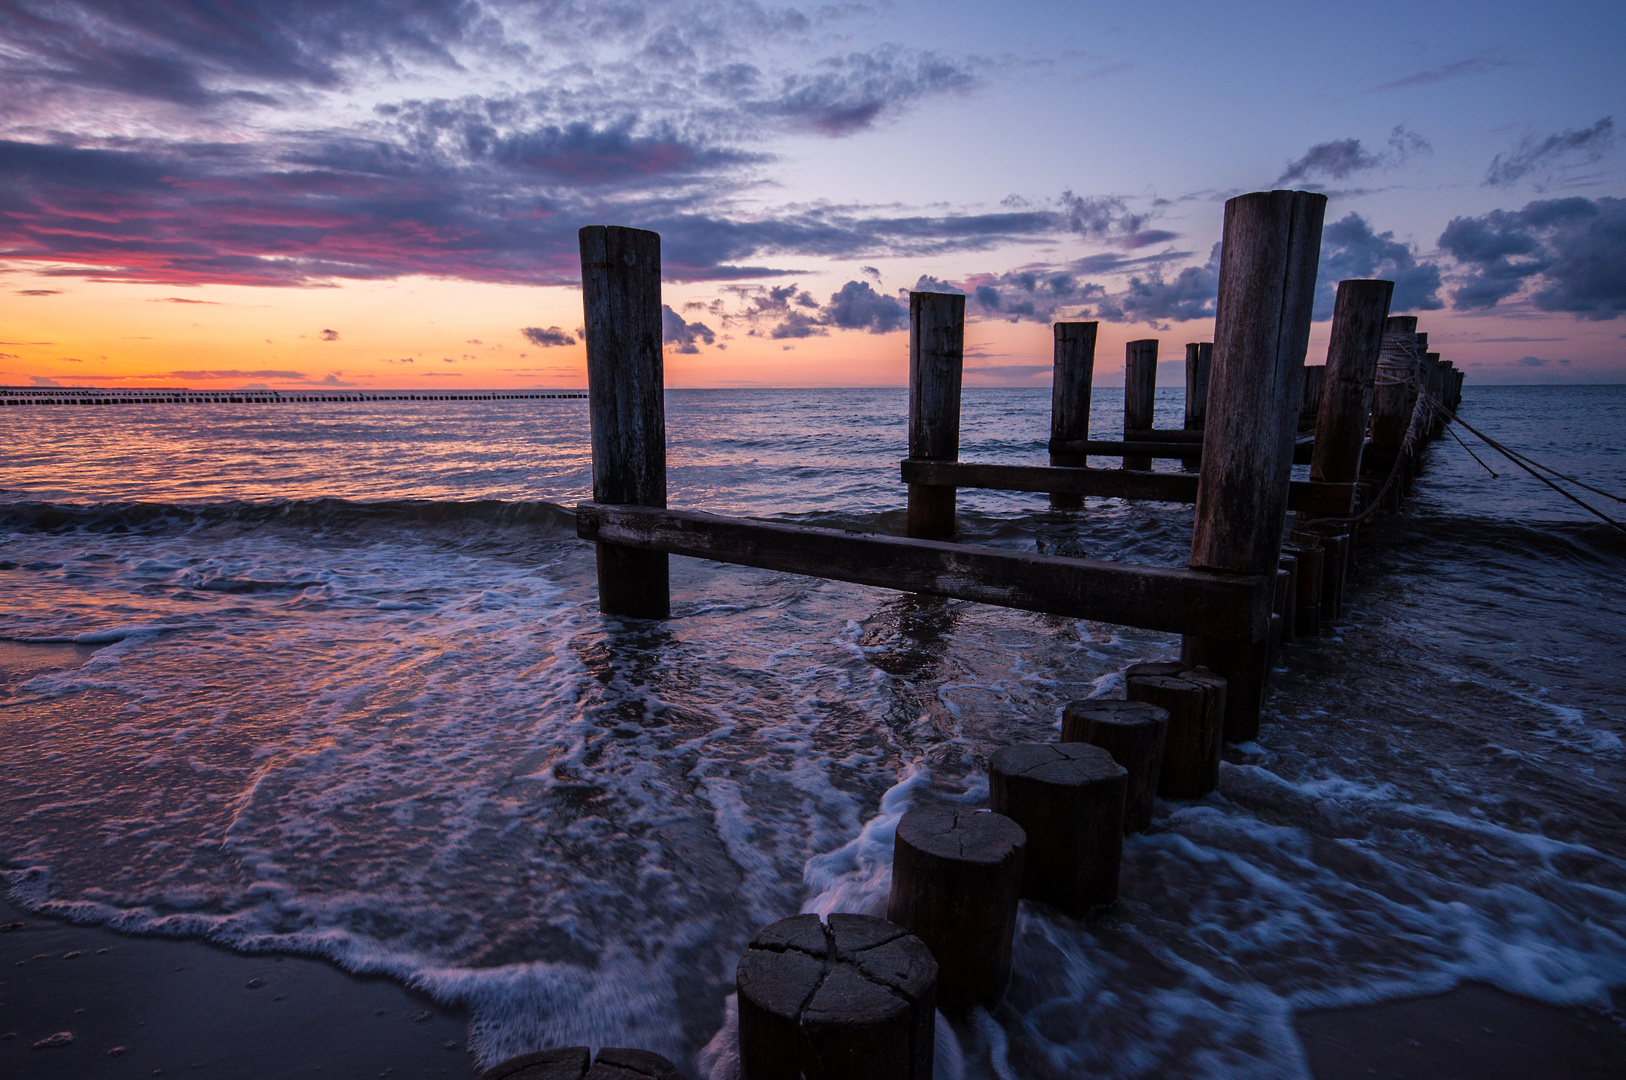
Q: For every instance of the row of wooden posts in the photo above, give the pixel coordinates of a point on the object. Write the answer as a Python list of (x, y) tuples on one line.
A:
[(855, 995)]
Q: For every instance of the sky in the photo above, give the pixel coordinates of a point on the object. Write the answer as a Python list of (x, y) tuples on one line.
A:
[(386, 193)]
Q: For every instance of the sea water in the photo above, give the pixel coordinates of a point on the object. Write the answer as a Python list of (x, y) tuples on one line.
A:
[(345, 691)]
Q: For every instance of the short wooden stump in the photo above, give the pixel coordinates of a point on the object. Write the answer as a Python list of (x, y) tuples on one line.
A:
[(848, 1000), (1196, 729), (1069, 798), (1133, 732), (576, 1063), (956, 883)]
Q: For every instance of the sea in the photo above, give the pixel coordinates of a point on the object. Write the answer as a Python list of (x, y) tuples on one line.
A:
[(336, 684)]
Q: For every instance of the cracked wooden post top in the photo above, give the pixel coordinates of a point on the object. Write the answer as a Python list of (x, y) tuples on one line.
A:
[(956, 881), (1133, 732), (1194, 698), (851, 999), (1069, 797), (576, 1063)]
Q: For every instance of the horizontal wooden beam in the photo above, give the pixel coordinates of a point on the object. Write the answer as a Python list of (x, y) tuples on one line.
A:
[(1178, 601), (1174, 435), (1113, 448), (1306, 495)]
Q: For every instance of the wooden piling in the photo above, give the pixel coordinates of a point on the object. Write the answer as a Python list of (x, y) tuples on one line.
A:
[(936, 362), (1310, 399), (1271, 246), (1358, 319), (1070, 397), (850, 1000), (1140, 393), (956, 883), (1069, 800), (1199, 356), (621, 302), (1191, 753), (1134, 733), (1393, 395), (578, 1063)]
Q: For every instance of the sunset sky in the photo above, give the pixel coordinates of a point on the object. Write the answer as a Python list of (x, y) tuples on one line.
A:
[(386, 193)]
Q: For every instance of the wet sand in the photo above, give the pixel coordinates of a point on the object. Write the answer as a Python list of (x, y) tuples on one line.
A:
[(155, 1007)]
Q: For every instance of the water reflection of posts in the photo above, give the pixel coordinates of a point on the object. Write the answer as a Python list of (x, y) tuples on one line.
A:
[(1070, 398), (1268, 264), (621, 302)]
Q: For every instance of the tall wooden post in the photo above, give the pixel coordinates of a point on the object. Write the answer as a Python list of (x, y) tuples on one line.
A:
[(1199, 357), (1352, 364), (621, 302), (1140, 393), (936, 361), (1070, 396), (1271, 247), (1393, 394)]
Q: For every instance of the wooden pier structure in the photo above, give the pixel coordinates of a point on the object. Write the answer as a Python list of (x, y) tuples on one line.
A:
[(1270, 558)]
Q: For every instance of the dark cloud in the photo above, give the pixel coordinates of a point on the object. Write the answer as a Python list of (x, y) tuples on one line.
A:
[(234, 373), (178, 300), (1532, 361), (1562, 254), (39, 292), (685, 335), (1154, 299), (856, 306), (1473, 65), (848, 93), (329, 335), (1586, 145), (548, 338), (1351, 249), (1343, 157)]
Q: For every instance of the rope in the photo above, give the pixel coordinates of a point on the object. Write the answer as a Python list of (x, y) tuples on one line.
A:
[(1471, 454), (1419, 414)]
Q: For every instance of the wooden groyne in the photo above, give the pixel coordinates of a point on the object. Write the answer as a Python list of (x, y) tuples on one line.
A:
[(1269, 560), (79, 395)]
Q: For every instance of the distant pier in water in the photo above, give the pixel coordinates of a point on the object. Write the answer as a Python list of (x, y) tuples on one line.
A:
[(83, 395)]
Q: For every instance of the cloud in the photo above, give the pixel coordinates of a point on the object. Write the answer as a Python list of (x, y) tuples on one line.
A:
[(41, 380), (234, 373), (1562, 254), (179, 300), (685, 335), (1343, 157), (1351, 249), (329, 335), (1586, 145), (1456, 69), (848, 93), (1532, 361), (856, 306), (547, 338), (39, 292)]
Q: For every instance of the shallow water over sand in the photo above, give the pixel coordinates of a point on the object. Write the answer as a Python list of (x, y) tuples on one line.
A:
[(400, 735)]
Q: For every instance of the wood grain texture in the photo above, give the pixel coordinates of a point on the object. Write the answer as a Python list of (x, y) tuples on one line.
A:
[(1133, 732), (1243, 665), (936, 362), (1199, 358), (956, 883), (621, 307), (1358, 316), (1070, 384), (1154, 598), (1302, 495), (1140, 393), (1392, 403), (851, 999), (1191, 749), (1268, 259), (1069, 799)]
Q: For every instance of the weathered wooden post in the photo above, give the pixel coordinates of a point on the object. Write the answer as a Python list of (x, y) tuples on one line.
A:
[(1069, 799), (1140, 394), (1271, 246), (579, 1063), (1195, 702), (1070, 397), (1310, 403), (1358, 317), (848, 1001), (936, 362), (1199, 355), (621, 302), (1394, 392), (956, 883), (1133, 732)]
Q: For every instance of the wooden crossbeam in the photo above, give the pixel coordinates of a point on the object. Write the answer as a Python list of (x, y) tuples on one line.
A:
[(1214, 605), (1160, 444), (1306, 495)]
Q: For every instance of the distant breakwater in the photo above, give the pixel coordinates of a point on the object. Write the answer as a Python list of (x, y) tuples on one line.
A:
[(18, 395)]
